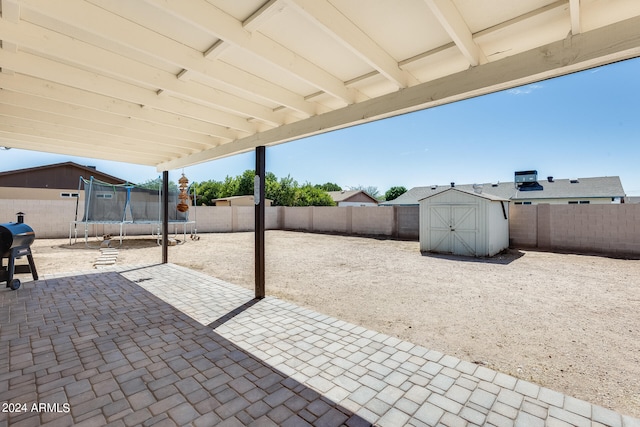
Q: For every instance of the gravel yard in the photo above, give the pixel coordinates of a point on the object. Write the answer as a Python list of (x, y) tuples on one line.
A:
[(567, 322)]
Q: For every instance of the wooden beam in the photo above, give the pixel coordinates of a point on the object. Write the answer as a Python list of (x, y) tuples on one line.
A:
[(107, 63), (262, 15), (68, 75), (97, 103), (201, 14), (574, 10), (96, 129), (338, 26), (111, 123), (602, 46), (51, 144), (454, 24)]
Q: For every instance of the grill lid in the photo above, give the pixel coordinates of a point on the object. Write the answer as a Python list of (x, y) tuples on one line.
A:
[(13, 234)]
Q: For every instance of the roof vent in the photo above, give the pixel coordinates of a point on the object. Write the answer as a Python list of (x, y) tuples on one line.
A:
[(574, 181), (527, 181), (453, 184), (495, 184), (526, 176), (433, 187), (550, 178)]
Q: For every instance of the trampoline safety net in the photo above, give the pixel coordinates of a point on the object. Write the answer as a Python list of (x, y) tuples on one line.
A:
[(126, 203)]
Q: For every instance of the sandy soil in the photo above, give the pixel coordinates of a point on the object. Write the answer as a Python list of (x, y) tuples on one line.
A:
[(564, 321)]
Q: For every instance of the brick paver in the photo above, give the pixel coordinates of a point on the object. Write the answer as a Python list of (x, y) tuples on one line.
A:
[(164, 345)]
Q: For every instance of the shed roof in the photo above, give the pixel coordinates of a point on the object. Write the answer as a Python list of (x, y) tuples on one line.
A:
[(482, 195), (171, 83)]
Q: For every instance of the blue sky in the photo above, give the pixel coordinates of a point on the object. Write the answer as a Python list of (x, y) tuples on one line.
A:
[(583, 125)]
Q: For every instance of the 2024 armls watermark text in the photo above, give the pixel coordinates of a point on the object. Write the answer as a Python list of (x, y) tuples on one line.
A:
[(16, 408)]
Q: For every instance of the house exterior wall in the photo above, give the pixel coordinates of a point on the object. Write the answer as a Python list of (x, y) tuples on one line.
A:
[(360, 198), (591, 200), (239, 201), (18, 193), (349, 203)]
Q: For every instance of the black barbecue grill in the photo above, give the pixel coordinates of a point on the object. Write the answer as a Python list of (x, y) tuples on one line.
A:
[(15, 242)]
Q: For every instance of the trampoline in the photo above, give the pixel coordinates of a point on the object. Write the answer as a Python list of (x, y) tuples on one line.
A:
[(114, 207)]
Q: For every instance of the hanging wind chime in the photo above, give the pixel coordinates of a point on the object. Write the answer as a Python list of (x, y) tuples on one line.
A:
[(183, 196)]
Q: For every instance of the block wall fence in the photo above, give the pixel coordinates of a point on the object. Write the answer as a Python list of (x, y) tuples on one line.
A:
[(603, 229)]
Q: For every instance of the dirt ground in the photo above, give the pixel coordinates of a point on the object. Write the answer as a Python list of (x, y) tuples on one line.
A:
[(567, 322)]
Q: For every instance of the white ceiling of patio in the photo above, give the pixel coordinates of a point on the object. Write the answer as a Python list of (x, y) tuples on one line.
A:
[(170, 83)]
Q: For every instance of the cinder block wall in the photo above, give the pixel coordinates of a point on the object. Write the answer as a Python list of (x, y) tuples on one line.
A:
[(328, 219), (408, 222), (606, 229), (374, 221), (523, 225), (298, 218), (613, 229), (48, 218)]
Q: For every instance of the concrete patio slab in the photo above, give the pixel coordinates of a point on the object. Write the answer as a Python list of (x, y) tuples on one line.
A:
[(164, 345)]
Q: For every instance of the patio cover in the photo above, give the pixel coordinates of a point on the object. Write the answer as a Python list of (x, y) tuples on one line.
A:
[(171, 83)]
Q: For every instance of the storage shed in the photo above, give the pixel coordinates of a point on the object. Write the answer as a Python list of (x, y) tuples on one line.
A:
[(464, 223)]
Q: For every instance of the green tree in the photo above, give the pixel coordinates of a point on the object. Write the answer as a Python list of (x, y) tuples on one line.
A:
[(308, 195), (283, 192), (328, 186), (207, 191), (271, 187), (229, 187), (245, 183), (286, 192), (156, 184), (394, 192)]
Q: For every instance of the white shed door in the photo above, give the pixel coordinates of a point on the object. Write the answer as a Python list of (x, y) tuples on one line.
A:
[(453, 229)]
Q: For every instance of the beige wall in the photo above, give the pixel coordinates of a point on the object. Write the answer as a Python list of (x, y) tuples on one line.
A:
[(607, 229), (48, 218), (19, 193), (52, 219)]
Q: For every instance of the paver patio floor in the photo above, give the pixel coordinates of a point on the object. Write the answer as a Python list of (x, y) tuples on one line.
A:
[(163, 345)]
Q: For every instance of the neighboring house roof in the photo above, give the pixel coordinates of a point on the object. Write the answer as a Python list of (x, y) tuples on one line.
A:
[(351, 196), (605, 187), (632, 199), (64, 175), (232, 198)]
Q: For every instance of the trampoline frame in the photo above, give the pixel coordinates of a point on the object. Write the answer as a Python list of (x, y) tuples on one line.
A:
[(156, 225)]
